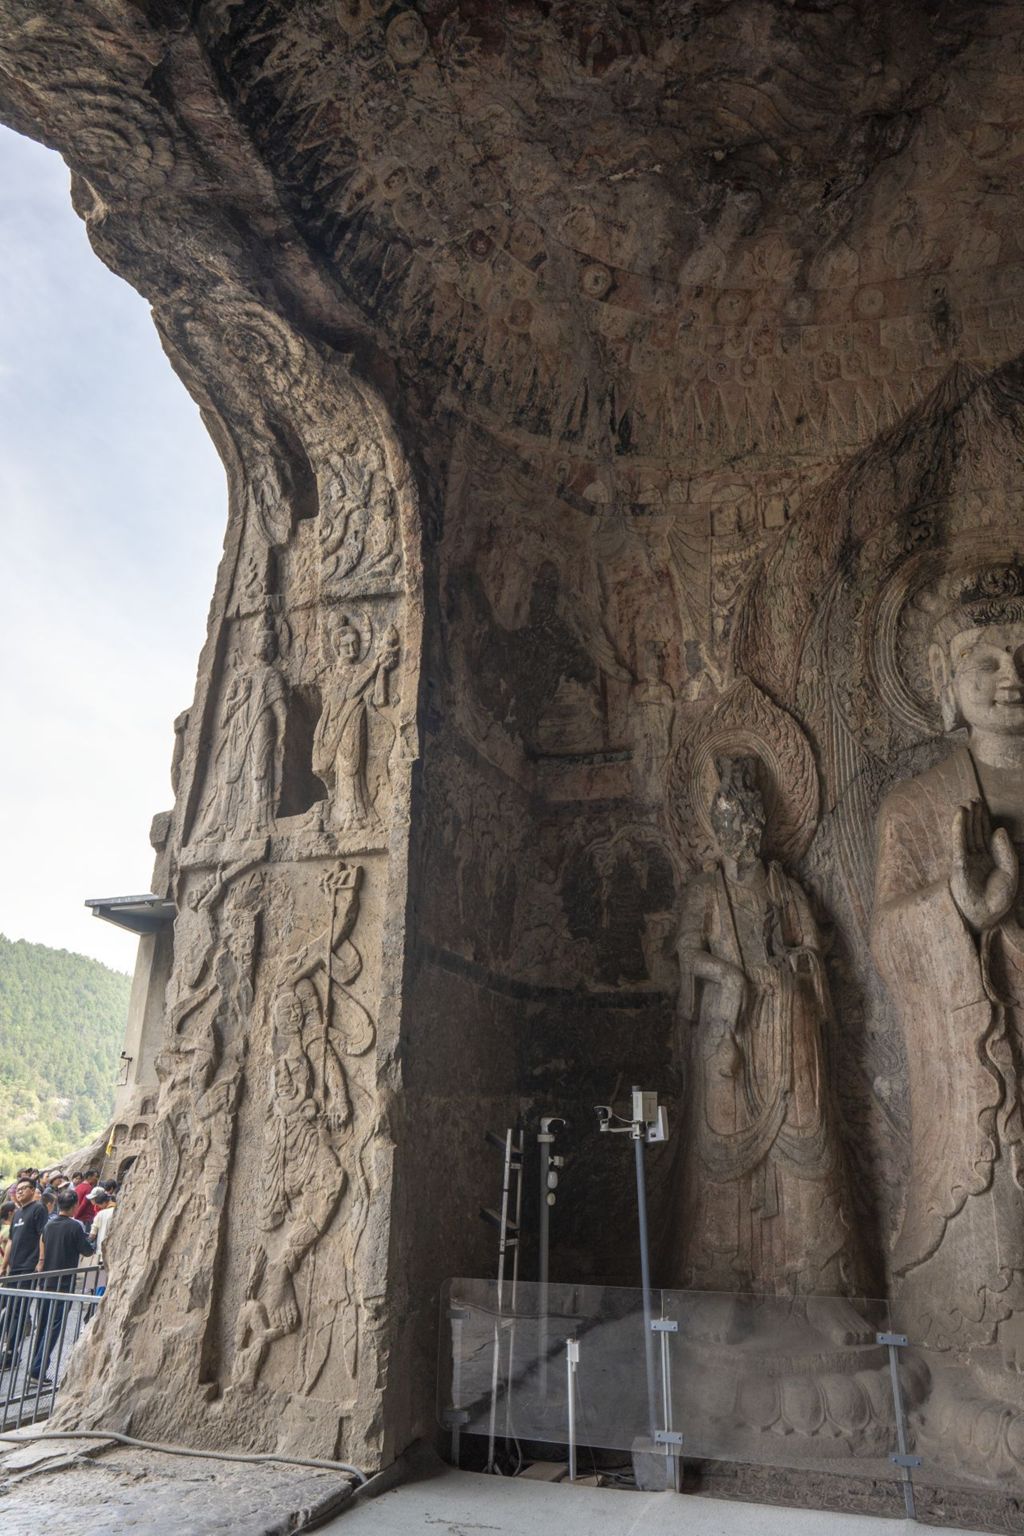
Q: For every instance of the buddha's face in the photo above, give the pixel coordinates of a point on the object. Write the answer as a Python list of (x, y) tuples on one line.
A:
[(739, 821), (341, 642), (987, 678), (262, 645)]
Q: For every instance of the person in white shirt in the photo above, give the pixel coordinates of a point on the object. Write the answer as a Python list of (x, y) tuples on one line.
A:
[(104, 1203)]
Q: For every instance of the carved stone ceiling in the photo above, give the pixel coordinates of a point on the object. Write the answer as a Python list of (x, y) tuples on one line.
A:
[(532, 208)]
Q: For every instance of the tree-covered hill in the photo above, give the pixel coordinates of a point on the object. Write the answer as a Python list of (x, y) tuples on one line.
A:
[(62, 1019)]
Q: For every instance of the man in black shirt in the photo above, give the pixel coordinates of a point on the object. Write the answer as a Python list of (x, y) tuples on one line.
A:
[(64, 1243), (24, 1257), (26, 1251)]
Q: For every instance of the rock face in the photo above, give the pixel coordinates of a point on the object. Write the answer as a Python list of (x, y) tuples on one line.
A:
[(604, 391)]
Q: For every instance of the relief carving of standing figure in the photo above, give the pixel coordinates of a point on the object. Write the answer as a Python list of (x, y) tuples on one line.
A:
[(246, 768), (948, 940), (315, 1020), (201, 1070), (767, 1206), (355, 684)]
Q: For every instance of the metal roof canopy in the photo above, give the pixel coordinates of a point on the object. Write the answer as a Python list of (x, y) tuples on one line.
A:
[(139, 914)]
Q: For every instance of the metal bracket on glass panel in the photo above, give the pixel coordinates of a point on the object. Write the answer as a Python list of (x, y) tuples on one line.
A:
[(667, 1437), (894, 1342)]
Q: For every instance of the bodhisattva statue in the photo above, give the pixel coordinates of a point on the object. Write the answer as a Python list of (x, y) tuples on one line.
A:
[(354, 684), (246, 768), (766, 1181), (949, 944)]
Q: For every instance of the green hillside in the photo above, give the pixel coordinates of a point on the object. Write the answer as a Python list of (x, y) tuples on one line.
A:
[(62, 1019)]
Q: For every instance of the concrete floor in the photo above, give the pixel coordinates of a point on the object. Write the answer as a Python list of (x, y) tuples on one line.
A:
[(74, 1488), (445, 1502)]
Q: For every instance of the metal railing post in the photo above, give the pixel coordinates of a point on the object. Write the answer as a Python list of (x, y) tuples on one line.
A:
[(572, 1360), (664, 1327)]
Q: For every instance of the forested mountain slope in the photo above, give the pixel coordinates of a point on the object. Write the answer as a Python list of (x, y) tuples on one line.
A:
[(62, 1019)]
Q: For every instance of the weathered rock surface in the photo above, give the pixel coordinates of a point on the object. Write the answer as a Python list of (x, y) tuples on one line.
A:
[(83, 1493), (604, 391)]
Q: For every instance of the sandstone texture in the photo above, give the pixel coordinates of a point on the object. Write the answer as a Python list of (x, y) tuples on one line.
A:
[(77, 1490), (614, 674)]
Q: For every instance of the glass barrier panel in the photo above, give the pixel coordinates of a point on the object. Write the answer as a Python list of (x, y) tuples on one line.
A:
[(796, 1382), (828, 1385), (505, 1371), (964, 1399), (787, 1382)]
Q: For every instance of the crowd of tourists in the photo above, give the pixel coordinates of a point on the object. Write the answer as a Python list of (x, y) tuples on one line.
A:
[(49, 1222)]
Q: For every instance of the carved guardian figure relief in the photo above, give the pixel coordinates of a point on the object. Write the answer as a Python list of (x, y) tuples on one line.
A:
[(311, 1152)]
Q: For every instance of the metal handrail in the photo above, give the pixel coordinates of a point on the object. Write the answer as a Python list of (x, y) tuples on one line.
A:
[(37, 1274), (38, 1295)]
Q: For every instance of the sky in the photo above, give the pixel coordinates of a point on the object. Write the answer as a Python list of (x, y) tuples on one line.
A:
[(113, 505)]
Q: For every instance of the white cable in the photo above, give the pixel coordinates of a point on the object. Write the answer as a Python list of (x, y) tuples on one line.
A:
[(185, 1450)]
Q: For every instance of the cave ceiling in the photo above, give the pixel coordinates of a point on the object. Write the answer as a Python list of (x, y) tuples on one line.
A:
[(528, 214)]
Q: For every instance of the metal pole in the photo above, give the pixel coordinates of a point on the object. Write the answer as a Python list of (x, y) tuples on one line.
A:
[(517, 1169), (572, 1360), (645, 1278), (492, 1427), (544, 1141)]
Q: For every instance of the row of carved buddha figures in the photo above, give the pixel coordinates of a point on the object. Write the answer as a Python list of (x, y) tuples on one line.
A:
[(246, 772), (767, 1184)]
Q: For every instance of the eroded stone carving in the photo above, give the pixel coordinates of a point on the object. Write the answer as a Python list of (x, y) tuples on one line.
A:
[(766, 1179), (356, 527), (315, 1021), (245, 774), (745, 720), (355, 686), (200, 1069)]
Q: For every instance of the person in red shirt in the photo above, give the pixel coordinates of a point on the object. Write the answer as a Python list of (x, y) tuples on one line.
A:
[(85, 1211)]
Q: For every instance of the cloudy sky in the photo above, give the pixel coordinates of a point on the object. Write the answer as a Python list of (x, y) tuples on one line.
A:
[(112, 506)]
